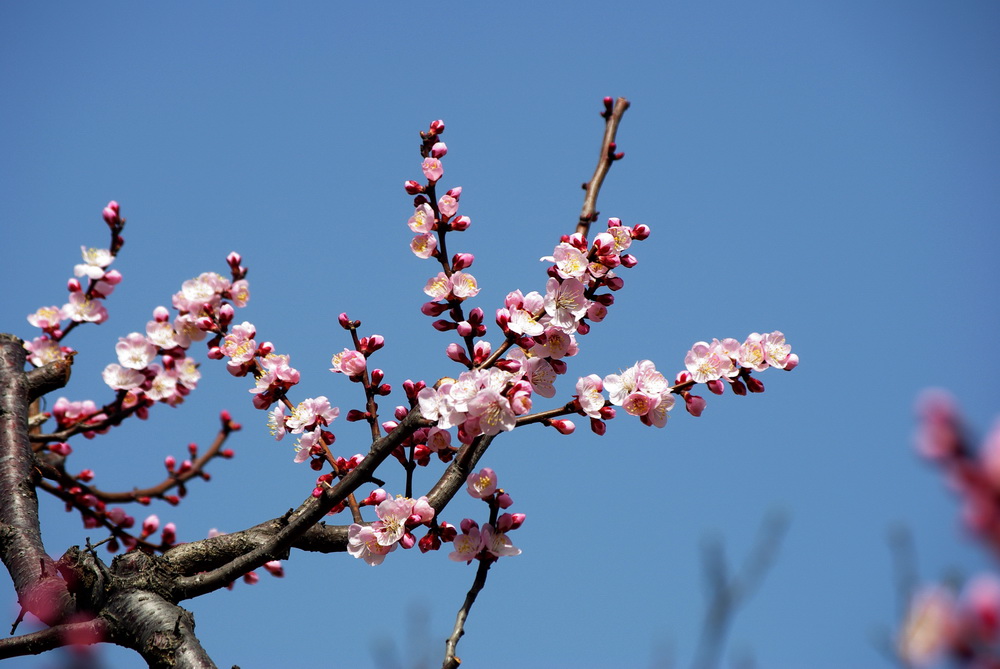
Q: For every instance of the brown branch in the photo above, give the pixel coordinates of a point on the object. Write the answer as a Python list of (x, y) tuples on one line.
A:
[(299, 521), (39, 588), (612, 117), (451, 661), (76, 634), (47, 378)]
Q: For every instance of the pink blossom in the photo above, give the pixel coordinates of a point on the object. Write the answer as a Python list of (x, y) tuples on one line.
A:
[(432, 168), (94, 262), (467, 545), (708, 362), (422, 221), (362, 542), (776, 351), (161, 334), (80, 308), (752, 354), (464, 285), (393, 515), (482, 484), (556, 345), (276, 422), (447, 205), (492, 411), (565, 303), (570, 262), (42, 351), (497, 543), (239, 293), (588, 389), (163, 387), (439, 150), (438, 439), (150, 525), (438, 287), (541, 376), (351, 363), (46, 318), (122, 378), (307, 444), (239, 344), (135, 351), (311, 412), (424, 246)]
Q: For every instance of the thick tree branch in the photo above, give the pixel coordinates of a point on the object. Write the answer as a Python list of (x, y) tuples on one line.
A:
[(89, 632), (38, 585)]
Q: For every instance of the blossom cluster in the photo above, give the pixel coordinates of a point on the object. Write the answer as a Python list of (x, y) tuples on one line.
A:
[(85, 303), (941, 621), (396, 518), (489, 542)]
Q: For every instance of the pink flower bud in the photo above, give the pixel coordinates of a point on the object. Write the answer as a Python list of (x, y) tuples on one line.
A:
[(716, 386), (439, 150), (694, 404), (629, 260), (461, 223), (738, 387), (791, 362), (110, 213), (274, 568), (150, 525), (429, 542), (504, 501), (161, 315), (413, 188), (444, 326), (234, 259), (563, 426), (112, 277), (170, 462), (754, 385), (215, 353), (598, 427), (354, 416), (462, 261), (251, 578), (437, 127), (640, 232), (457, 353), (73, 285), (344, 321), (169, 534), (226, 314), (433, 309)]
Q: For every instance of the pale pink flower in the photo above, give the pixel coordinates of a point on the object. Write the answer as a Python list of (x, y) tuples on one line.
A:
[(752, 354), (422, 221), (438, 439), (463, 285), (424, 246), (311, 412), (541, 376), (239, 293), (482, 484), (708, 362), (276, 422), (776, 351), (239, 344), (94, 262), (46, 318), (658, 416), (307, 443), (187, 373), (393, 515), (122, 378), (565, 303), (640, 403), (622, 237), (569, 261), (588, 389), (498, 544), (80, 308), (467, 545), (432, 168), (362, 542), (523, 322), (447, 205), (349, 362), (163, 387), (492, 411), (186, 330), (161, 334), (438, 287), (42, 351), (135, 351), (557, 345)]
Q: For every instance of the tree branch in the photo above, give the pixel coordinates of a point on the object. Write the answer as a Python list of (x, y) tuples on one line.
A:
[(612, 117)]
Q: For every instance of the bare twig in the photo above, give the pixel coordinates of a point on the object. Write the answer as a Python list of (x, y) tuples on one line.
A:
[(450, 659), (727, 595), (612, 117)]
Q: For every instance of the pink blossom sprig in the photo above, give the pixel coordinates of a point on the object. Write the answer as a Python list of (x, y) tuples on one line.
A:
[(85, 304), (397, 517), (489, 542), (93, 503)]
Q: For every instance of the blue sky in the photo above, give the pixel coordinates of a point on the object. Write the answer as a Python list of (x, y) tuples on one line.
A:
[(828, 169)]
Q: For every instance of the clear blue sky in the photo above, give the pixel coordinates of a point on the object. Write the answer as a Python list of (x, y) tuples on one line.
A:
[(828, 169)]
